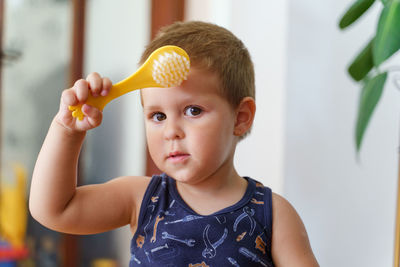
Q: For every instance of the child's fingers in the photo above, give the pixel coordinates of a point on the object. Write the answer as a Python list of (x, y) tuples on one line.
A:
[(95, 83), (68, 97), (106, 86), (94, 115), (81, 89), (64, 115)]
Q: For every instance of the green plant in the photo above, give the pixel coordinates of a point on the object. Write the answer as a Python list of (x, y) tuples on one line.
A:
[(366, 67)]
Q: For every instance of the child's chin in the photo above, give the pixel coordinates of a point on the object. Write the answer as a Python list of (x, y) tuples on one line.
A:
[(181, 176)]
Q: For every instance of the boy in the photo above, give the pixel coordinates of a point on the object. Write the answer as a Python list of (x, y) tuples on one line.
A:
[(199, 212)]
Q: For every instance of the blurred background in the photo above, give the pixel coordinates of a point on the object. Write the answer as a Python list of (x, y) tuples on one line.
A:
[(302, 144)]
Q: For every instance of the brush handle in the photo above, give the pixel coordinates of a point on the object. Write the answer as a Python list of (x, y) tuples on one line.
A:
[(136, 81)]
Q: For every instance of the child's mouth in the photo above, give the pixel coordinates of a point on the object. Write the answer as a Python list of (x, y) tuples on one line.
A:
[(177, 157)]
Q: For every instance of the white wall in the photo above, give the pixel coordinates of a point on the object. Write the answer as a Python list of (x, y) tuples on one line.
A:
[(348, 207)]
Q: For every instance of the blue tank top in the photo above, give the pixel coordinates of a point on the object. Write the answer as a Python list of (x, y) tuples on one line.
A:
[(170, 233)]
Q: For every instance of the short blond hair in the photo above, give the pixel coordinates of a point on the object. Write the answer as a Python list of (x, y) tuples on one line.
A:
[(214, 49)]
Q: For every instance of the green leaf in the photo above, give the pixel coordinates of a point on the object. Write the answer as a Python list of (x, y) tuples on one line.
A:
[(370, 95), (387, 40), (356, 10), (363, 63), (384, 2)]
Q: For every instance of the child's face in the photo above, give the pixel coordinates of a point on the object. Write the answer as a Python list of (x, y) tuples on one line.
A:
[(190, 128)]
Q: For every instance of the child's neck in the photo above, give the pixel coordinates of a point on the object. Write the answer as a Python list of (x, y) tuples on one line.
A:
[(214, 193)]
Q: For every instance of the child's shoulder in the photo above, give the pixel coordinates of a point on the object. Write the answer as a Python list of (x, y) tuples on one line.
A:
[(289, 235), (131, 186), (127, 183), (131, 189), (285, 217), (279, 202)]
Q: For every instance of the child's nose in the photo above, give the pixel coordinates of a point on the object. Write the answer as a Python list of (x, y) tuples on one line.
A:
[(173, 130)]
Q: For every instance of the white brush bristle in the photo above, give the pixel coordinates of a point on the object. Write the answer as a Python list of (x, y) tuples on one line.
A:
[(170, 69)]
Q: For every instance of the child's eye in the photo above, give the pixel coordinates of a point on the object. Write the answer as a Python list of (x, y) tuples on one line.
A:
[(158, 116), (193, 111)]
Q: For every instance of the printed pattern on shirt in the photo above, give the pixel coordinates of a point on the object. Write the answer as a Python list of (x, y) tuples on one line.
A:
[(171, 234)]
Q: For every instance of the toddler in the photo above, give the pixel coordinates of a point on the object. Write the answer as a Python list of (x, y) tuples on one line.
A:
[(199, 211)]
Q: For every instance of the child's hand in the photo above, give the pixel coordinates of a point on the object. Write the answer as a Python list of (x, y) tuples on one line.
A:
[(78, 94)]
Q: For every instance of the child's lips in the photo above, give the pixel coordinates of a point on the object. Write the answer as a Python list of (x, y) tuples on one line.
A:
[(177, 156)]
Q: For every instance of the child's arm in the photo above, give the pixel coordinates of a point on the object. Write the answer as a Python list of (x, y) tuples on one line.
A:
[(55, 201), (290, 244)]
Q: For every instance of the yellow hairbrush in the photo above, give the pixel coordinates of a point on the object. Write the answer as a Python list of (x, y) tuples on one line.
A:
[(166, 67)]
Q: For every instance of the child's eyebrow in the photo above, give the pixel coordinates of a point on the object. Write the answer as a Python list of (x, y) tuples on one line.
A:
[(151, 108)]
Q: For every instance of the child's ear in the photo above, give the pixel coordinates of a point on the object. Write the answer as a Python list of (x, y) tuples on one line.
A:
[(244, 116)]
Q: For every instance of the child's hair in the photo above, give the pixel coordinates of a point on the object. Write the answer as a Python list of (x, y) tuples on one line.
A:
[(214, 49)]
